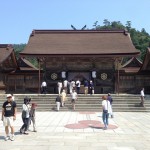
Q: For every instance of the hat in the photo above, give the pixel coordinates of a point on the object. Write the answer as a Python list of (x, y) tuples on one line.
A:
[(9, 95)]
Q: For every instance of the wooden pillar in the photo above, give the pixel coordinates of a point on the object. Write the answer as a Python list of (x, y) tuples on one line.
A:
[(118, 77), (39, 89), (15, 83)]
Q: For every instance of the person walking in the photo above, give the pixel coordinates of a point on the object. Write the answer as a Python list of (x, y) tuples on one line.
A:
[(74, 97), (59, 85), (91, 87), (58, 102), (78, 84), (69, 87), (63, 98), (32, 116), (142, 97), (65, 85), (43, 87), (9, 110), (72, 86), (86, 85), (109, 98), (106, 110), (25, 116)]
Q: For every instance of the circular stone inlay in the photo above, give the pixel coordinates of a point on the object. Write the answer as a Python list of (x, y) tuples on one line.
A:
[(90, 122), (76, 126)]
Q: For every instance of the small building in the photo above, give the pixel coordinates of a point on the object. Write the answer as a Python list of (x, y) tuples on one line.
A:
[(16, 75)]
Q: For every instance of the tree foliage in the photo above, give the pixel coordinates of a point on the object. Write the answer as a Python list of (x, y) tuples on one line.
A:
[(140, 39), (19, 48)]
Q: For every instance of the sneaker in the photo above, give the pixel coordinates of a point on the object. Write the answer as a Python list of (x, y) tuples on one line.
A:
[(34, 130), (105, 128), (25, 133), (12, 138), (112, 116), (7, 138), (21, 131)]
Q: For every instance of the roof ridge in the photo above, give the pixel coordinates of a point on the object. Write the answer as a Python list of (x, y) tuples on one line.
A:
[(39, 31)]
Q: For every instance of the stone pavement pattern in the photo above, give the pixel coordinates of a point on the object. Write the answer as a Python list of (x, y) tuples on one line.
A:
[(130, 131)]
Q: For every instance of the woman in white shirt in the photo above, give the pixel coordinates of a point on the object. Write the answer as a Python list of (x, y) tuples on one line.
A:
[(63, 98), (74, 97), (25, 116), (59, 85), (142, 97), (106, 110)]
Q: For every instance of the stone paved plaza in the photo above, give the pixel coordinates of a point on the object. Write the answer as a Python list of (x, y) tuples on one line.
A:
[(82, 131)]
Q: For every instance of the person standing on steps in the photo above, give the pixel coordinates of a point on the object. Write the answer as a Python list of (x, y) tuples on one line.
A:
[(58, 102), (78, 84), (65, 85), (142, 97), (74, 97), (59, 85), (91, 87), (63, 98), (86, 85), (72, 86), (43, 87)]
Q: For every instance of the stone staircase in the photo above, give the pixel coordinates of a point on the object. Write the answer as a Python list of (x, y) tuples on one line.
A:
[(121, 103)]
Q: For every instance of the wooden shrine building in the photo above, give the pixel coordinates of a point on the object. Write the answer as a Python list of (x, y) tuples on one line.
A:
[(80, 54), (16, 76)]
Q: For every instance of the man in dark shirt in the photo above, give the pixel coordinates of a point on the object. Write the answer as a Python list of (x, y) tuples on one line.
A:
[(86, 85), (58, 102), (8, 116), (91, 87)]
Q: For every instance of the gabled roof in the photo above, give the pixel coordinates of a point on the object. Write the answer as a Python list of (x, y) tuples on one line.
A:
[(133, 62), (133, 65), (79, 42), (8, 60), (24, 64), (5, 50), (146, 62)]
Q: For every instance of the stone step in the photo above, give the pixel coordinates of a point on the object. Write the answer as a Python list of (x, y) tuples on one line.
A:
[(85, 102)]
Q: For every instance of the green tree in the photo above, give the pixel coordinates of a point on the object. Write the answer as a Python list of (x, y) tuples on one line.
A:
[(140, 39), (19, 48)]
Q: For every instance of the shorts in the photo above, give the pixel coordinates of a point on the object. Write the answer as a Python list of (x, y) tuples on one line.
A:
[(73, 100), (8, 121)]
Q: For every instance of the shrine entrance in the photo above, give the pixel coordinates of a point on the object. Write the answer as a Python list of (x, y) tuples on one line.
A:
[(82, 76)]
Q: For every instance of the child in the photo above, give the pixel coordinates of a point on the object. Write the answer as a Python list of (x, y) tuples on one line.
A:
[(32, 116), (58, 102)]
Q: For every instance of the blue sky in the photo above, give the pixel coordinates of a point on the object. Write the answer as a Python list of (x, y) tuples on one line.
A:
[(20, 17)]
